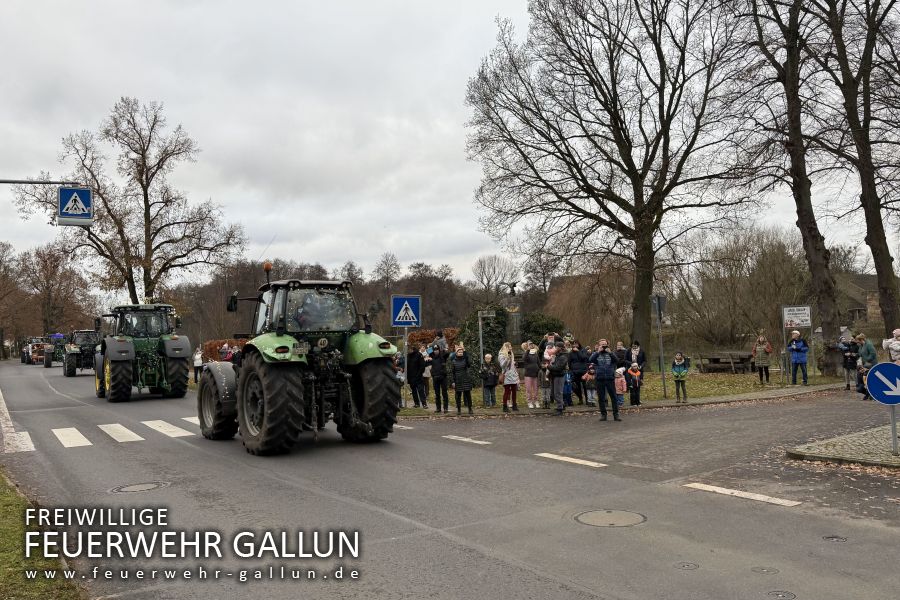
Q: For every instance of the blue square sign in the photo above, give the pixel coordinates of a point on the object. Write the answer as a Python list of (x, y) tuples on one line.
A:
[(406, 311), (76, 207)]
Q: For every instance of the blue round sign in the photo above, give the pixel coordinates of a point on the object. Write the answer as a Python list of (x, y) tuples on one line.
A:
[(883, 383)]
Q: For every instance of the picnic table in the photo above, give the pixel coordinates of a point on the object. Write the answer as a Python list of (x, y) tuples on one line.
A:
[(722, 362)]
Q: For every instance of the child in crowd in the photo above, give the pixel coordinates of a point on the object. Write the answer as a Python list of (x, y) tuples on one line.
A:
[(634, 381), (621, 386), (590, 385), (567, 388), (679, 373), (490, 375), (546, 389), (863, 373)]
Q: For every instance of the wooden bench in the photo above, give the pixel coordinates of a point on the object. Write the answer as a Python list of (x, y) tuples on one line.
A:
[(724, 362)]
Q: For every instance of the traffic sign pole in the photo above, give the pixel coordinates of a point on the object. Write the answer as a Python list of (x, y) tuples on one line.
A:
[(894, 450)]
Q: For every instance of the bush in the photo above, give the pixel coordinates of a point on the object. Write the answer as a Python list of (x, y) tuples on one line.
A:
[(493, 330), (535, 325), (426, 336)]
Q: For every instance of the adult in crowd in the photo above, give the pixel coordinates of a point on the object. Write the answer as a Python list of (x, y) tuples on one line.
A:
[(415, 371), (762, 353), (439, 378), (237, 356), (559, 364), (867, 354), (531, 361), (605, 366), (223, 351), (850, 350), (426, 376), (892, 345), (507, 361), (799, 350), (578, 366), (440, 341), (621, 353), (460, 378), (198, 363), (636, 355)]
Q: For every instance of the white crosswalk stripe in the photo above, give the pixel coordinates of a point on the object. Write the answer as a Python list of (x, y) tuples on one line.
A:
[(120, 433), (465, 439), (194, 420), (741, 494), (70, 437), (569, 459), (402, 427), (167, 429)]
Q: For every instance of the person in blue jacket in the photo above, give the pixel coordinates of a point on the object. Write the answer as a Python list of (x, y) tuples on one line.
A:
[(799, 350)]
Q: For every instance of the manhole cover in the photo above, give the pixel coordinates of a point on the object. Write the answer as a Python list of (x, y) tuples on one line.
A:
[(686, 566), (834, 538), (139, 487), (781, 594), (765, 570), (610, 518)]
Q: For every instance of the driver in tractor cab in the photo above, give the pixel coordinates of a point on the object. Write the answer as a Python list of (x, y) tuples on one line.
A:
[(310, 312)]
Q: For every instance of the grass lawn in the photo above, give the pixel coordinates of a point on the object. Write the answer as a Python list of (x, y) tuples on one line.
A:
[(13, 561)]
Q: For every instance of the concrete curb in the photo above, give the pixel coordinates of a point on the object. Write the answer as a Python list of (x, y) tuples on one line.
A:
[(797, 454)]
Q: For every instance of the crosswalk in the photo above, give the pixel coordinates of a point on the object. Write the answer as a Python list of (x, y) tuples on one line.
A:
[(72, 437)]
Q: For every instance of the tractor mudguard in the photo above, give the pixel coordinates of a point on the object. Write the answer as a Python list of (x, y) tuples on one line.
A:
[(267, 343), (117, 350), (226, 383), (362, 346), (177, 347)]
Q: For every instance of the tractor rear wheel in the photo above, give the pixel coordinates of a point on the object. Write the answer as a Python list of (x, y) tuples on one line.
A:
[(215, 424), (270, 406), (177, 376), (376, 395), (99, 380), (48, 360), (117, 378), (69, 365)]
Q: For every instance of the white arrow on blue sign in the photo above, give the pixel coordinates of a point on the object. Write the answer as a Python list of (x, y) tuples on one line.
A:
[(883, 383), (76, 207), (406, 311)]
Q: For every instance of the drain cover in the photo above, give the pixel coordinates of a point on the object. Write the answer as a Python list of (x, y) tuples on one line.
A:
[(781, 594), (139, 487), (686, 566), (765, 570), (834, 538), (610, 518)]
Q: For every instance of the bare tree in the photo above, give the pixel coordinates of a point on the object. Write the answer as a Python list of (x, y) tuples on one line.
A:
[(351, 272), (492, 274), (609, 130), (145, 231), (387, 270), (57, 288)]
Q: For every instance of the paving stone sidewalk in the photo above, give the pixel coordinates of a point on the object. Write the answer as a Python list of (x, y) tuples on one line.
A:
[(869, 447)]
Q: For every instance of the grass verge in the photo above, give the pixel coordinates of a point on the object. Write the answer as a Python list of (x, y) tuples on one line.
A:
[(13, 563)]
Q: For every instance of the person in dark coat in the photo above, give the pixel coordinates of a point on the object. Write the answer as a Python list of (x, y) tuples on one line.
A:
[(578, 366), (460, 378), (622, 355), (636, 355), (439, 378), (851, 356), (531, 363), (605, 365), (415, 376), (559, 364)]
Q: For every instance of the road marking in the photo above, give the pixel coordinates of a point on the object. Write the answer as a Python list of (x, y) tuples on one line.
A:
[(465, 439), (70, 437), (167, 428), (569, 459), (401, 427), (120, 433), (194, 420), (740, 494), (13, 441)]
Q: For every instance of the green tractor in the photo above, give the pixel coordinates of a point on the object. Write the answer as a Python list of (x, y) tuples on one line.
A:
[(142, 350), (80, 351), (55, 351), (307, 360)]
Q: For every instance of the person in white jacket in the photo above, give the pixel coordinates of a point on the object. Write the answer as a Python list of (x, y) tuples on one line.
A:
[(510, 377), (198, 363), (892, 345)]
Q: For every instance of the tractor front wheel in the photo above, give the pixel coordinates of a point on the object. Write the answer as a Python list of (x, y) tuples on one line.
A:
[(376, 395), (48, 360), (177, 376), (117, 378), (69, 365), (215, 424), (270, 406)]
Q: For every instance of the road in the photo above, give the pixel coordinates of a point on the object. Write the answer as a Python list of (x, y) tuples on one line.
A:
[(480, 514)]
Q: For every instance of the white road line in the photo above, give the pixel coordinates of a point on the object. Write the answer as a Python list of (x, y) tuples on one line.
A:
[(70, 437), (194, 420), (401, 427), (120, 433), (740, 494), (465, 439), (13, 441), (167, 428), (569, 459)]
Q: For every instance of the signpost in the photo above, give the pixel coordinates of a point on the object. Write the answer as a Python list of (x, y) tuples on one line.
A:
[(406, 312), (659, 305), (76, 207), (483, 314), (795, 317), (883, 385)]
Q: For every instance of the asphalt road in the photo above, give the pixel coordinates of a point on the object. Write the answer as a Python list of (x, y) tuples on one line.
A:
[(453, 518)]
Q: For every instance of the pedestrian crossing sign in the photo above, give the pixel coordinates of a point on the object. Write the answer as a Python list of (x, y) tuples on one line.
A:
[(406, 311), (76, 207)]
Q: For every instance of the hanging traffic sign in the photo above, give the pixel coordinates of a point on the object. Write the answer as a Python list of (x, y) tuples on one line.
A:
[(76, 207), (406, 311)]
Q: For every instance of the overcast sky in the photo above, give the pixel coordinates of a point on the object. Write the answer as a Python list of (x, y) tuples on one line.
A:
[(339, 125)]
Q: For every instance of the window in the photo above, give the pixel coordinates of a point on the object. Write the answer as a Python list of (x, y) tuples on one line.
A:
[(144, 324), (319, 310), (262, 310)]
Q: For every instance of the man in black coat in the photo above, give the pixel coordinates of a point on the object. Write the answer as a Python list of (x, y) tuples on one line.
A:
[(559, 364), (578, 366), (439, 378), (605, 365), (415, 376)]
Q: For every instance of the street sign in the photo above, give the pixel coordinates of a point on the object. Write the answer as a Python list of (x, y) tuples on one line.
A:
[(796, 316), (406, 311), (883, 383), (76, 207), (487, 314), (658, 302)]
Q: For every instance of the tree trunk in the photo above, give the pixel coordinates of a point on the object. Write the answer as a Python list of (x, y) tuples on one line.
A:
[(644, 261), (881, 254), (132, 288)]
